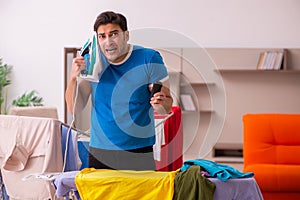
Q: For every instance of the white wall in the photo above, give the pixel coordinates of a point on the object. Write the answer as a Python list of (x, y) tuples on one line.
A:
[(33, 33)]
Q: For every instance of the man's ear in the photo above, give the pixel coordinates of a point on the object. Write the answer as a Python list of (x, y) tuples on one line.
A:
[(127, 35)]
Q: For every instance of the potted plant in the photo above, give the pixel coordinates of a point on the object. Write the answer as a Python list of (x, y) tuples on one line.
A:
[(28, 99), (4, 81)]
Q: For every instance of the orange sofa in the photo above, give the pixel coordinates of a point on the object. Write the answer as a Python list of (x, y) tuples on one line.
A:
[(272, 152)]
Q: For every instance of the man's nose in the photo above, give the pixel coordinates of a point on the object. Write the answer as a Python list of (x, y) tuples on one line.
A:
[(105, 42), (108, 40)]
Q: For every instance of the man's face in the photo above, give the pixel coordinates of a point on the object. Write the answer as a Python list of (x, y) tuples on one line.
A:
[(113, 42)]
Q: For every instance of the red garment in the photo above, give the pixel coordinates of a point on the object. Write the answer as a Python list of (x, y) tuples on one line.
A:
[(171, 152)]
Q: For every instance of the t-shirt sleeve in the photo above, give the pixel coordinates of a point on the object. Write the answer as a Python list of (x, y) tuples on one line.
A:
[(157, 68)]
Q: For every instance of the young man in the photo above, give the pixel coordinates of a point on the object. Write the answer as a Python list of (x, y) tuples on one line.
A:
[(122, 118)]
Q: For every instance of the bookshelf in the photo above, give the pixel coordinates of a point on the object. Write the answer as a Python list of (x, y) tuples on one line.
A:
[(229, 78), (272, 60)]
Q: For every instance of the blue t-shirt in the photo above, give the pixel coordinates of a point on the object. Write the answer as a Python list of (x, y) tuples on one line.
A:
[(122, 116)]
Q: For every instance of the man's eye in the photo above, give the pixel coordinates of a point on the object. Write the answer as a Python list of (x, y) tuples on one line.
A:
[(101, 36)]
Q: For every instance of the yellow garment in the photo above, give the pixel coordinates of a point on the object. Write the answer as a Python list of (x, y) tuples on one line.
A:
[(124, 184)]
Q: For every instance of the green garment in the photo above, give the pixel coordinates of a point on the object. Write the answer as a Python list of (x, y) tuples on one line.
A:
[(190, 185)]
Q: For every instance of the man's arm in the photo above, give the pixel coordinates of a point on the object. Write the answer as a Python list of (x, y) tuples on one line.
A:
[(83, 90)]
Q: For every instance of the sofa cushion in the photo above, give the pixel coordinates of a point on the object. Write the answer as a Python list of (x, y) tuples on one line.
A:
[(271, 139), (276, 177)]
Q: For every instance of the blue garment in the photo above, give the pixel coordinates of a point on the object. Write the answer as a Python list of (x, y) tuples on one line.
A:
[(83, 147), (70, 149), (3, 194), (220, 171), (122, 117)]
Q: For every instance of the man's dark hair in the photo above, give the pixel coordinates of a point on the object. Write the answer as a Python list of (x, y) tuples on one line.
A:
[(110, 17)]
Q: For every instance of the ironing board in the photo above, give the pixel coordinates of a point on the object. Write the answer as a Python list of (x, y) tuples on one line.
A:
[(242, 189)]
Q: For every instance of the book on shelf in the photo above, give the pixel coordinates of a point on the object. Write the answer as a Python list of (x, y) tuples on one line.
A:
[(187, 102), (261, 60), (279, 60), (271, 60)]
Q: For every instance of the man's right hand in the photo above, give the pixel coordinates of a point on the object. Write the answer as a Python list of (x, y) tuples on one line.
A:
[(78, 64)]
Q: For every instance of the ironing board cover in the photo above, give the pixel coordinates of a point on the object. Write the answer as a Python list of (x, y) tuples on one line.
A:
[(125, 184)]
